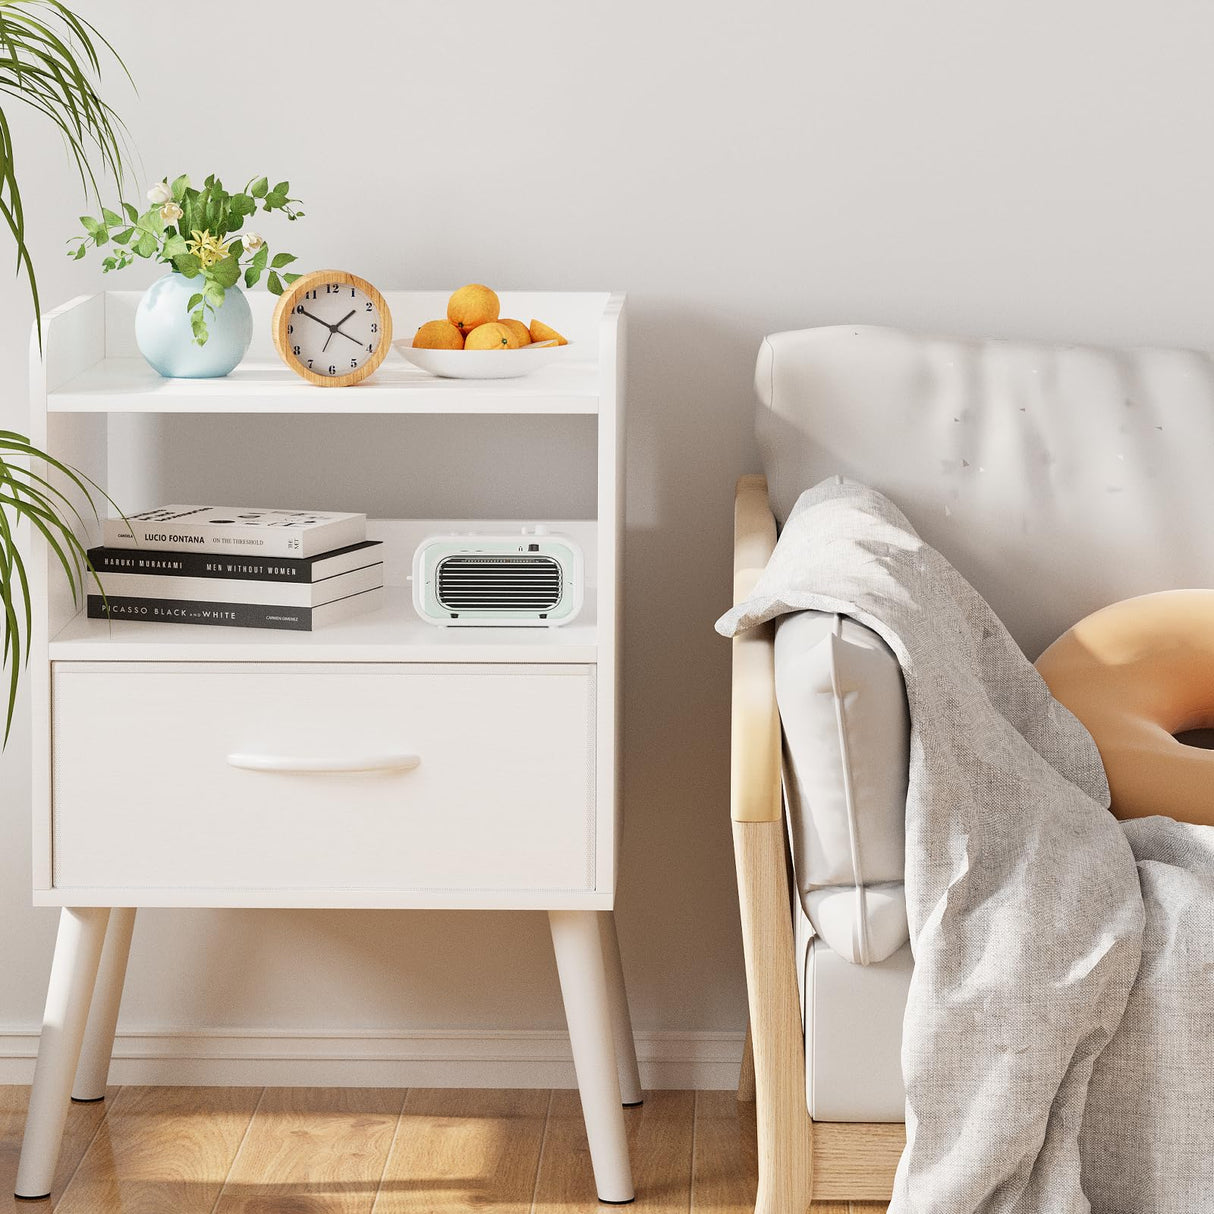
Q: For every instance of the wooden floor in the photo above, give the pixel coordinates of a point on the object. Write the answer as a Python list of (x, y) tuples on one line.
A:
[(381, 1151)]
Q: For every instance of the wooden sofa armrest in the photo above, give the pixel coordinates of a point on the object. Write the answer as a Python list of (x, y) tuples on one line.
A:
[(755, 721), (785, 1132)]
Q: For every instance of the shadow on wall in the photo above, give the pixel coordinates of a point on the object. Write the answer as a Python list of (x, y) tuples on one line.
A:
[(690, 434)]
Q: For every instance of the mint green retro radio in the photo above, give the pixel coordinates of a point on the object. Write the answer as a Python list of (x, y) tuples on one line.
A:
[(529, 580)]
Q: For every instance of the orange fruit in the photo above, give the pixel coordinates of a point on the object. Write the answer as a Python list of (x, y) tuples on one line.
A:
[(518, 329), (471, 306), (438, 335), (491, 336), (542, 332)]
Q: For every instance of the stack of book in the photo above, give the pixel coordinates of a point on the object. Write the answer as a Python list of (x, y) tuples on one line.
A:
[(237, 567)]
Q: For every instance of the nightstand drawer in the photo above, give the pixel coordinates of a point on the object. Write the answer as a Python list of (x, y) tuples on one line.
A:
[(323, 777)]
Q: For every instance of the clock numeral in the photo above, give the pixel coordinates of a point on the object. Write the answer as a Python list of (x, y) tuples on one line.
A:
[(309, 295), (368, 308), (370, 349), (309, 364), (354, 362), (295, 349), (290, 330), (374, 327), (299, 307), (332, 288), (332, 369)]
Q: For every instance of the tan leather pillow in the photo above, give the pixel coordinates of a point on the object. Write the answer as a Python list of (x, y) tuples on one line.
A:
[(1136, 674)]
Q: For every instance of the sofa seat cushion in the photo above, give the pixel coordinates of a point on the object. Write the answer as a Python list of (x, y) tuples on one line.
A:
[(853, 1031), (847, 737)]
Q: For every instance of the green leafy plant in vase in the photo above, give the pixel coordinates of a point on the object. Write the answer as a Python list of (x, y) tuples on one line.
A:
[(50, 61), (195, 322)]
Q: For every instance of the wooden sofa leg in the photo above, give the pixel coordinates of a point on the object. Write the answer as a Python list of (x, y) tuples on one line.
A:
[(785, 1131), (746, 1076)]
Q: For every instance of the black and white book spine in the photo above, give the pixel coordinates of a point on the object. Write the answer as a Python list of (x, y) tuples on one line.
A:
[(223, 590), (218, 566), (231, 615)]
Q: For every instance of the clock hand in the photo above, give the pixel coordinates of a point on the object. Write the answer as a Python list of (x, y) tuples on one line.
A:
[(333, 328), (355, 340)]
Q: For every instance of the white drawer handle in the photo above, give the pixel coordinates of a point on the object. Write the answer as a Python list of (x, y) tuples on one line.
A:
[(290, 763)]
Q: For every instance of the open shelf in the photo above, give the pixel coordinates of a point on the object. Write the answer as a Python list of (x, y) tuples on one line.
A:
[(91, 364), (129, 385), (392, 634)]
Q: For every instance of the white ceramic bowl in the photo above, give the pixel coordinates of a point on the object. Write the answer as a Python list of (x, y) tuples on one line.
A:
[(482, 364)]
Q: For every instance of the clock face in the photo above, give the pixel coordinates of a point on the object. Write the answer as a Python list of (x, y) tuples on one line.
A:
[(333, 329)]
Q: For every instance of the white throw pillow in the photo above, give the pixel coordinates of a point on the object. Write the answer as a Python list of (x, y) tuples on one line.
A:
[(847, 745)]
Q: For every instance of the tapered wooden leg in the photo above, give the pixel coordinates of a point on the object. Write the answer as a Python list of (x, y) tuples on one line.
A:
[(73, 975), (783, 1127), (746, 1076), (621, 1018), (98, 1048), (579, 961)]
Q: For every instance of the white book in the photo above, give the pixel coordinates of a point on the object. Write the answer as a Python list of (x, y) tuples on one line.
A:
[(236, 590), (251, 530), (291, 570)]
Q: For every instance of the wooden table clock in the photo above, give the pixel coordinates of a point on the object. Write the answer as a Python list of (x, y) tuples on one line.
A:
[(332, 328)]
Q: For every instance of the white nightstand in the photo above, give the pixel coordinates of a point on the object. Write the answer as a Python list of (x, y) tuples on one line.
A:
[(398, 764)]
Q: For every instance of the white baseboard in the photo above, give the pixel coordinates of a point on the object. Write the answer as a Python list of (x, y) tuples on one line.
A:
[(423, 1058)]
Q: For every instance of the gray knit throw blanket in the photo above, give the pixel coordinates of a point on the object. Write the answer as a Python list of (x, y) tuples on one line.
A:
[(1058, 1047)]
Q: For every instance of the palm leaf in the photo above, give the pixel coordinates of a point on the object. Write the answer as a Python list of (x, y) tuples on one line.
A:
[(25, 496), (50, 61)]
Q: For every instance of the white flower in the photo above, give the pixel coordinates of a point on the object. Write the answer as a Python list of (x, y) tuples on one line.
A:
[(171, 212), (160, 193), (252, 241)]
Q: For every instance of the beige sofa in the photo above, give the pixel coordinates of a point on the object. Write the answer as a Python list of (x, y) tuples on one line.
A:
[(1058, 479)]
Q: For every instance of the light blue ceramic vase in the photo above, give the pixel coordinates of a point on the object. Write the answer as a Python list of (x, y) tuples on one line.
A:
[(164, 337)]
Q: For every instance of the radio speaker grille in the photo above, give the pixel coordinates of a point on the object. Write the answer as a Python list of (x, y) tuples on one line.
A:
[(498, 583)]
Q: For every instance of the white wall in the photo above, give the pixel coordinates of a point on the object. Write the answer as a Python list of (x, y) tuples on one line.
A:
[(1025, 168)]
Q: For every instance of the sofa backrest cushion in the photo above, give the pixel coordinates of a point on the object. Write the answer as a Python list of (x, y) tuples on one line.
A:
[(1057, 479)]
